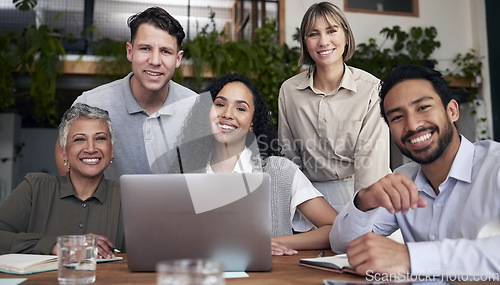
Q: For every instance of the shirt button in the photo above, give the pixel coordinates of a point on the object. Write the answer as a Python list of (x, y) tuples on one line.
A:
[(432, 237), (438, 204), (80, 225), (84, 205)]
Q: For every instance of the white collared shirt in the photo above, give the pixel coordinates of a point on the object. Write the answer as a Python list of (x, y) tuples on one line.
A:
[(302, 190)]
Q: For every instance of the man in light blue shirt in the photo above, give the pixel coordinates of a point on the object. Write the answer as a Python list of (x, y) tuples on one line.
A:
[(446, 202)]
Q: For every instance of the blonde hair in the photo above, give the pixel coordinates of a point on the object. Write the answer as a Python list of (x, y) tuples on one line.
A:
[(333, 15)]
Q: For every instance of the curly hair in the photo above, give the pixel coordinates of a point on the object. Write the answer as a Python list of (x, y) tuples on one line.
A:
[(196, 144), (263, 129)]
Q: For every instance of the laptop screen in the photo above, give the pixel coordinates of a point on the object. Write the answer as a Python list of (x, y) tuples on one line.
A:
[(223, 216)]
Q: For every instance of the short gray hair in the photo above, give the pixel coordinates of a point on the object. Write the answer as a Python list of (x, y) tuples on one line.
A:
[(80, 110)]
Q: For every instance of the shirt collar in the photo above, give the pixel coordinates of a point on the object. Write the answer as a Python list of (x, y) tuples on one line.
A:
[(243, 165), (347, 81), (67, 189), (461, 168), (128, 97), (134, 107)]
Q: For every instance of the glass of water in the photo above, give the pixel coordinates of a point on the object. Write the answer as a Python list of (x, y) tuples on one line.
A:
[(190, 272), (77, 257)]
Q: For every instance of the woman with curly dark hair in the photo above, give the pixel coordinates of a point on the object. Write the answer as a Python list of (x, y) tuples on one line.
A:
[(229, 130)]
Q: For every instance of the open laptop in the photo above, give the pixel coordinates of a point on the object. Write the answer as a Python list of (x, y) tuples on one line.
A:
[(223, 216)]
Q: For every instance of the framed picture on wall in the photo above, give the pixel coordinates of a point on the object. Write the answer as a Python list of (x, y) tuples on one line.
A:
[(388, 7)]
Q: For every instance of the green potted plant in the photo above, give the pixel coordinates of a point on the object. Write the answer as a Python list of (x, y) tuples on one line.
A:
[(466, 73), (42, 61), (10, 59), (212, 53), (113, 59), (263, 60), (36, 53), (409, 47), (465, 77), (274, 65)]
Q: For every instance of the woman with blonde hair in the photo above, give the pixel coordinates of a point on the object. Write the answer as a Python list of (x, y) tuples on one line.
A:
[(329, 116)]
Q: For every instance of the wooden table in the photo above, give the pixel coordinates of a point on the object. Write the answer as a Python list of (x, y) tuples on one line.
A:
[(286, 270)]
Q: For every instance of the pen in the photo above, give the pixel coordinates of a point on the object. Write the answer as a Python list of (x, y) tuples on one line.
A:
[(321, 254), (114, 249)]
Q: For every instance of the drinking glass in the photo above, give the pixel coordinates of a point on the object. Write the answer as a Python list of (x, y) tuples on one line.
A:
[(77, 257), (190, 272)]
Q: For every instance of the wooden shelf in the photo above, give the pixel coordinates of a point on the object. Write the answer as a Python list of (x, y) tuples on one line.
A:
[(455, 82), (82, 67), (90, 65)]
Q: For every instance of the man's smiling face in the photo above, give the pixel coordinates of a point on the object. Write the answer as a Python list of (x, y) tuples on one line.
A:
[(420, 126)]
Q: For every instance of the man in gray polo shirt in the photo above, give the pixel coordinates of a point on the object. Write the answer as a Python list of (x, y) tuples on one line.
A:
[(146, 108)]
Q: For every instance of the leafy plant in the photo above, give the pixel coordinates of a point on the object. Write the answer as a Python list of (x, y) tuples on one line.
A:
[(274, 65), (413, 47), (10, 59), (210, 51), (264, 60), (373, 59), (36, 52), (42, 59), (113, 58), (468, 66)]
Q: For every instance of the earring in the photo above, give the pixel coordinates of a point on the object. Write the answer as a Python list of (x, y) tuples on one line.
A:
[(65, 163), (111, 161)]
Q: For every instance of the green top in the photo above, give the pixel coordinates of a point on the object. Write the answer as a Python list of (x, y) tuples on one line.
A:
[(44, 206)]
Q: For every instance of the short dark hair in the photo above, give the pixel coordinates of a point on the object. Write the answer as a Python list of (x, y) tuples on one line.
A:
[(407, 72), (159, 18)]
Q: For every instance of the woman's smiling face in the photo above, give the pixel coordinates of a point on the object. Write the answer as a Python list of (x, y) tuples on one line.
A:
[(326, 43), (89, 148), (232, 114)]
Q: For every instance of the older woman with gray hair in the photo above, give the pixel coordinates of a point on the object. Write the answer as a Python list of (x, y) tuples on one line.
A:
[(44, 206)]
